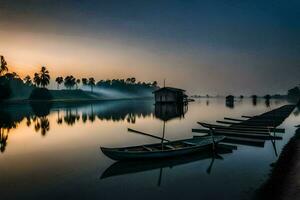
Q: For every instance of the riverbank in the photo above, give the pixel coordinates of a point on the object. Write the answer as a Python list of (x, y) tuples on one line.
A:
[(284, 181), (73, 96)]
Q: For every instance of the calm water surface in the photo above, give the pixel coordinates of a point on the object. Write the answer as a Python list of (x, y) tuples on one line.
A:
[(52, 152)]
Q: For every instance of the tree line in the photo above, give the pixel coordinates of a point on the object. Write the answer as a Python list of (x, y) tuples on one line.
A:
[(41, 79)]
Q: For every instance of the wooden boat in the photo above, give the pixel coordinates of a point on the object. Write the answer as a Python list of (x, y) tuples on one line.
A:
[(242, 128), (239, 134), (136, 166), (161, 150), (242, 141)]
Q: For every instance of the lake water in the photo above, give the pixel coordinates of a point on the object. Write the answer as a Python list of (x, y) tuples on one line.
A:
[(53, 151)]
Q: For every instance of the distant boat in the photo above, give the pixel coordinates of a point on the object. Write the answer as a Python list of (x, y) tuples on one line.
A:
[(162, 150)]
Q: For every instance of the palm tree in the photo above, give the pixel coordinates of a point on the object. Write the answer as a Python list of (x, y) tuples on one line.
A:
[(84, 81), (154, 84), (37, 79), (44, 76), (27, 80), (92, 83), (132, 80), (3, 65), (128, 80), (77, 83), (59, 81), (45, 125), (70, 81)]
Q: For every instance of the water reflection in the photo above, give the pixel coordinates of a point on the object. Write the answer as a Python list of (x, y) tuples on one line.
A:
[(42, 125), (36, 114), (6, 124), (130, 167), (166, 112)]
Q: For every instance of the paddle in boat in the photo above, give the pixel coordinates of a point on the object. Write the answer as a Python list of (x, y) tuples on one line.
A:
[(163, 149)]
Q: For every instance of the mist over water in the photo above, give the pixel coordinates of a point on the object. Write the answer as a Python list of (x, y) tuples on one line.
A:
[(57, 147), (115, 94)]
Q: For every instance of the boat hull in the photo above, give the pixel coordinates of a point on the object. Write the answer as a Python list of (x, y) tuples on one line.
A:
[(119, 154)]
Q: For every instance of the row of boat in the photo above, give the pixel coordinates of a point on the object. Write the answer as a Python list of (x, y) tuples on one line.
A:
[(254, 129)]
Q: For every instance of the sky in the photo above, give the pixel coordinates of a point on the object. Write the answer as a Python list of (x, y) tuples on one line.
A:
[(203, 46)]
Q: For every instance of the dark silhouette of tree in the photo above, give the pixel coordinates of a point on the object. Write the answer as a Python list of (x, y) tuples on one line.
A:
[(132, 80), (154, 84), (3, 140), (70, 118), (92, 83), (37, 79), (42, 124), (28, 121), (128, 80), (44, 76), (37, 126), (77, 83), (70, 81), (84, 117), (59, 80), (45, 125), (3, 65), (11, 76), (27, 80), (84, 81)]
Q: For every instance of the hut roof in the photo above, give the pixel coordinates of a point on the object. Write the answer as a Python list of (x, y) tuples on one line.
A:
[(170, 89)]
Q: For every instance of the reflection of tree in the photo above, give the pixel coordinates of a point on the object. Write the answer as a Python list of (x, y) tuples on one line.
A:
[(110, 111), (207, 102), (3, 140), (6, 123), (267, 102), (131, 118), (84, 117), (41, 109), (41, 124), (59, 119), (45, 125), (28, 121), (92, 116), (70, 118)]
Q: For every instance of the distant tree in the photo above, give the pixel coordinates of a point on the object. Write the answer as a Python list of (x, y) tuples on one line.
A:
[(27, 80), (108, 82), (128, 80), (37, 79), (91, 83), (59, 80), (84, 81), (44, 77), (77, 83), (3, 65), (154, 84), (268, 97), (132, 80), (11, 76), (70, 81)]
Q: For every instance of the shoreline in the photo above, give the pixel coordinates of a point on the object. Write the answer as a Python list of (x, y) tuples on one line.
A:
[(284, 180), (20, 101)]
